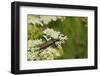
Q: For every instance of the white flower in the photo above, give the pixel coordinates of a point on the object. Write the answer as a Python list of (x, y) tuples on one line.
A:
[(47, 19), (34, 20), (50, 33), (34, 43), (49, 53), (32, 56), (43, 19)]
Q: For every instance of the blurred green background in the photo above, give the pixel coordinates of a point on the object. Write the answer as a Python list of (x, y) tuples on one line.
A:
[(75, 28)]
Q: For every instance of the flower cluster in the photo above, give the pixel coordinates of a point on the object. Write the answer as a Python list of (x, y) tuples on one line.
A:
[(42, 48), (46, 54), (49, 53), (33, 43), (50, 33), (42, 19), (32, 47), (34, 20)]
